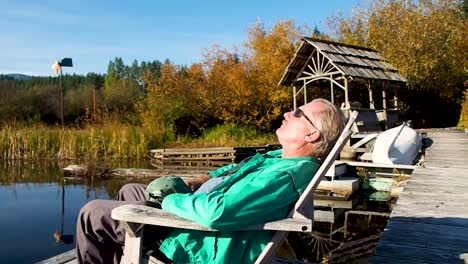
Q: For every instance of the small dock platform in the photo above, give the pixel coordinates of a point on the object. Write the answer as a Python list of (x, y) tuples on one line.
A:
[(429, 223), (217, 156)]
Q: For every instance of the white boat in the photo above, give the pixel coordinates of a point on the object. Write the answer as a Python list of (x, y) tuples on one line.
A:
[(399, 145)]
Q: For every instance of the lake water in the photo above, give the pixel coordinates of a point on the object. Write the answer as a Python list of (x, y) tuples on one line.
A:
[(35, 202)]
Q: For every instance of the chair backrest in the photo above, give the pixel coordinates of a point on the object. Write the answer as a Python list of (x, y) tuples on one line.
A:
[(303, 208)]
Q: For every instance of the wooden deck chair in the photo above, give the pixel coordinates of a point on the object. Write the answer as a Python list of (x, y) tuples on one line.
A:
[(135, 217)]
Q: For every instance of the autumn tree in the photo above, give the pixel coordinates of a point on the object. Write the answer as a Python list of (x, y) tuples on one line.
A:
[(174, 105), (268, 55), (426, 42)]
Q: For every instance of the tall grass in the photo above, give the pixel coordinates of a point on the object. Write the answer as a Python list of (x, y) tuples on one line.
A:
[(228, 135), (113, 140)]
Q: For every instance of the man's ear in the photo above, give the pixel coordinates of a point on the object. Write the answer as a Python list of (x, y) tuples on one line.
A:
[(312, 136)]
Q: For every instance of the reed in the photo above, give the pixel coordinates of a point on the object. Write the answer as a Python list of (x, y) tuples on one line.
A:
[(228, 135), (108, 141), (114, 140)]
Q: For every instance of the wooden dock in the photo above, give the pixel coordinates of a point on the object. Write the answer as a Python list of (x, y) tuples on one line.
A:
[(429, 223), (217, 156)]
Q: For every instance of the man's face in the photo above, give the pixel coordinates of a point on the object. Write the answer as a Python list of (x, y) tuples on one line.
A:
[(296, 130)]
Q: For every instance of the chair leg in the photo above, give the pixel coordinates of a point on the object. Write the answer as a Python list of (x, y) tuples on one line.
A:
[(269, 253), (133, 243)]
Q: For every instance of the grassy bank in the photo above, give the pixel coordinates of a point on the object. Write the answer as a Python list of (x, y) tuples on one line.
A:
[(112, 141), (227, 135), (41, 142)]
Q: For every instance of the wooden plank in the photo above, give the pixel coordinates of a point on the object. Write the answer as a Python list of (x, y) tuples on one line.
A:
[(452, 153), (343, 185), (452, 238), (66, 257), (435, 174), (419, 254), (458, 157), (422, 217), (425, 184), (441, 141), (377, 259), (448, 217), (441, 211), (439, 174), (197, 158), (410, 201), (436, 170), (443, 191), (445, 163), (194, 150), (153, 216), (433, 192), (334, 204), (439, 203)]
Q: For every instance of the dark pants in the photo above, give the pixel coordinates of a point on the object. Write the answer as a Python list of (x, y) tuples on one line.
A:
[(99, 238)]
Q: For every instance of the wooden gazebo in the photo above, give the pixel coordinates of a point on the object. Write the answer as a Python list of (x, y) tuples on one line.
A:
[(338, 63)]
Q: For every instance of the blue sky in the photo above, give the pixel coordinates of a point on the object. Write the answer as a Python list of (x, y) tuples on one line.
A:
[(34, 33)]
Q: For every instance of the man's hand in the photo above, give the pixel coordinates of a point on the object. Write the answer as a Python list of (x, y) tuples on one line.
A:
[(197, 182)]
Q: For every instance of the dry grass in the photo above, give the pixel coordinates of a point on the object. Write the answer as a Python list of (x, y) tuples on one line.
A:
[(112, 140)]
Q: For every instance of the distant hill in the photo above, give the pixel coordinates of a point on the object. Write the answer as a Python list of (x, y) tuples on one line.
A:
[(19, 76)]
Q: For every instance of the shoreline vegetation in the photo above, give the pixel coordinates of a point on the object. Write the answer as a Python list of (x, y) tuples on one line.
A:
[(231, 97), (114, 141)]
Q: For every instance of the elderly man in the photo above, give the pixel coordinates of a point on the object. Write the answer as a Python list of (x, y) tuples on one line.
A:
[(261, 189)]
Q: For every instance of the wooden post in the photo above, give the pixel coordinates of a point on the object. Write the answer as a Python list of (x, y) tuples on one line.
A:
[(332, 92), (133, 243), (61, 99), (371, 98), (384, 103), (294, 97), (305, 92), (347, 105)]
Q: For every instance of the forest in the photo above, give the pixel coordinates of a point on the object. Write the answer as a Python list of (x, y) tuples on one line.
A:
[(134, 107)]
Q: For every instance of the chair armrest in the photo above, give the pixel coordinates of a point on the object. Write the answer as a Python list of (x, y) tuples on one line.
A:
[(152, 216)]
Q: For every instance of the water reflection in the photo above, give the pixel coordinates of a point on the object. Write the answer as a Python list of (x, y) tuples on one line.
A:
[(39, 208)]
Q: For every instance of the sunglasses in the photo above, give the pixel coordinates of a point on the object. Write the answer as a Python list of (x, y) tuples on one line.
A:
[(299, 113)]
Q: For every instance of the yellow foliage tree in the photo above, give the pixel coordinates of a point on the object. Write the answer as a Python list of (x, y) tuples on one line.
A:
[(427, 42), (268, 55)]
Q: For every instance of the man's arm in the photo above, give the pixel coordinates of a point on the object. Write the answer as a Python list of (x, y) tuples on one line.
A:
[(197, 182), (266, 198)]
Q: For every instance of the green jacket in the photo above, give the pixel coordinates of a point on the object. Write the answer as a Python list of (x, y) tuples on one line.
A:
[(264, 189)]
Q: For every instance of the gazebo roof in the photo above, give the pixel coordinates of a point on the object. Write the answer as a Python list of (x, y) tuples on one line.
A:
[(349, 60)]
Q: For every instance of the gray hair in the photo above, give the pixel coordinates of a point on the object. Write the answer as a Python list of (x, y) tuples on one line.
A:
[(330, 122)]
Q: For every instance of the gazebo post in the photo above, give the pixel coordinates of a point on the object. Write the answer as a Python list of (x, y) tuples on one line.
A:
[(305, 92), (294, 97), (371, 98), (384, 102), (332, 92), (347, 105), (395, 100)]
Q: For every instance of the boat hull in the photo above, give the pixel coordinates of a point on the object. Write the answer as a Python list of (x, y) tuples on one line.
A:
[(399, 145)]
